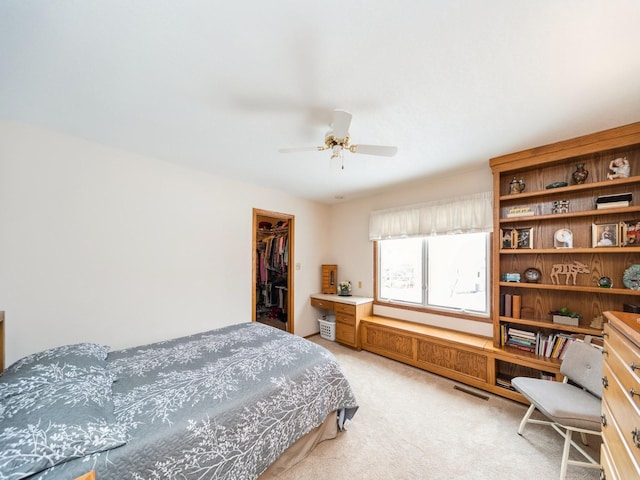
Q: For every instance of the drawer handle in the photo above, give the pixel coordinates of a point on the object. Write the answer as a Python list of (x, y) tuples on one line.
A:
[(603, 420), (634, 366), (605, 382), (635, 434), (633, 392)]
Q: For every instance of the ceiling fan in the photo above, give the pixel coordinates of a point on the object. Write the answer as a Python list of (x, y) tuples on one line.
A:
[(337, 140)]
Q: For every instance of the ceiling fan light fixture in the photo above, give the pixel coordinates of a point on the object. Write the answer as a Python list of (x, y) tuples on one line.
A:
[(337, 140), (337, 151)]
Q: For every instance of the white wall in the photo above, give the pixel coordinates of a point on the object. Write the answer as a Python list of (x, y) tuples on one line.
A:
[(97, 244), (353, 252)]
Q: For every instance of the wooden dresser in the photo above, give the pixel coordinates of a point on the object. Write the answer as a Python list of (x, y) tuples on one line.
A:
[(620, 454), (349, 311)]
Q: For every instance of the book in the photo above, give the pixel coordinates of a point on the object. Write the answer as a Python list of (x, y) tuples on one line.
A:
[(521, 333), (502, 304), (619, 197), (620, 204), (516, 303), (507, 305)]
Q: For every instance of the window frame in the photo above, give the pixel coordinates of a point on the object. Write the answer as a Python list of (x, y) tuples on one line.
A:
[(478, 317)]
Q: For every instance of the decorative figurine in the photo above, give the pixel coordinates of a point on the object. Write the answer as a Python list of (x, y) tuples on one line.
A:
[(560, 206), (598, 322), (516, 186), (580, 175), (620, 168), (605, 282), (570, 270)]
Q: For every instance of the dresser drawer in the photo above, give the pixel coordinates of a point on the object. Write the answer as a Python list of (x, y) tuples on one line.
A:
[(627, 377), (326, 304), (626, 465), (608, 466), (627, 416), (346, 334), (345, 308), (346, 319), (626, 350)]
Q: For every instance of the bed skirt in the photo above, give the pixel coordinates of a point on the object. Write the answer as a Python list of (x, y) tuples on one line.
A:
[(301, 448)]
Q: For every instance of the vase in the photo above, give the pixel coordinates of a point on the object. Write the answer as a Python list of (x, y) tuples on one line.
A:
[(580, 175)]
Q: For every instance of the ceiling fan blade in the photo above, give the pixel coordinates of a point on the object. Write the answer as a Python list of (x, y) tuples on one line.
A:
[(301, 149), (381, 150), (340, 124)]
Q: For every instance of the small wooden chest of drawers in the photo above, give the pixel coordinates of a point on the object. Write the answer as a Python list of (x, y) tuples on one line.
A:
[(620, 455), (349, 311)]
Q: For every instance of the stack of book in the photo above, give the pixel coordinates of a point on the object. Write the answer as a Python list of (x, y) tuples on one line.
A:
[(614, 201), (504, 382), (521, 339)]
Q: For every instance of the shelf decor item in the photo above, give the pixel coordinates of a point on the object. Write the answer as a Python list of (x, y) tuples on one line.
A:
[(604, 235), (570, 270), (506, 237), (520, 212), (580, 175), (556, 185), (510, 277), (620, 168), (563, 238), (631, 277), (523, 238), (566, 317), (516, 186), (532, 275), (605, 282), (630, 234), (560, 206)]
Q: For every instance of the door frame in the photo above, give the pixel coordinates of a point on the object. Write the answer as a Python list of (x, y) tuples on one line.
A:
[(258, 214)]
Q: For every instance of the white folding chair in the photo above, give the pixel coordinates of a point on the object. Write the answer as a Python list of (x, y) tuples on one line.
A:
[(570, 407)]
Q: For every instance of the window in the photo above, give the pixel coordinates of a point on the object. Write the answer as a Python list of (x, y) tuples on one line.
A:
[(444, 272)]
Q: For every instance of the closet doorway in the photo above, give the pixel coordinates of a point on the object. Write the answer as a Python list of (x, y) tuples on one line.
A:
[(273, 247)]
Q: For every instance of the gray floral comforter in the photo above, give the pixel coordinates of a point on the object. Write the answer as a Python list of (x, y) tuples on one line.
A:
[(222, 404)]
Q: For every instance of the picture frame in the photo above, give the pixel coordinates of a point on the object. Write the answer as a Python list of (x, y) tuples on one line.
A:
[(630, 233), (605, 235), (523, 237), (506, 239)]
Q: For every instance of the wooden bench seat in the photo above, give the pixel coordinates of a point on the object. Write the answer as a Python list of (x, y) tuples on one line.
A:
[(460, 356)]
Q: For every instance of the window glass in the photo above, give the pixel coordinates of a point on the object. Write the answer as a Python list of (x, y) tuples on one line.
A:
[(400, 269), (447, 272)]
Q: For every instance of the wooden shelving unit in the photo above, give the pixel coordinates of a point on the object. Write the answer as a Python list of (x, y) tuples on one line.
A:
[(538, 168)]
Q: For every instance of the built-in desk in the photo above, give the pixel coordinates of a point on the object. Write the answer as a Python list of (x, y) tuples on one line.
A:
[(349, 311)]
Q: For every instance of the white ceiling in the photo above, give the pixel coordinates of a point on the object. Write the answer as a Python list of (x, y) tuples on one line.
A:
[(220, 86)]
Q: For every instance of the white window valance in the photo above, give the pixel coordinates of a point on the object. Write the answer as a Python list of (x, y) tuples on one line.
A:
[(465, 214)]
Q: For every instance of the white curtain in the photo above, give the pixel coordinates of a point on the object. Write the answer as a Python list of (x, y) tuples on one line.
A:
[(466, 214)]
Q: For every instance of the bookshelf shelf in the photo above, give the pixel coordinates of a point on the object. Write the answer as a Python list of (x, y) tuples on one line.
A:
[(571, 288), (549, 325), (585, 213)]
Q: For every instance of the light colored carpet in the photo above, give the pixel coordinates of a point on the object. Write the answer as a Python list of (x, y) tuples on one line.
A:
[(414, 425)]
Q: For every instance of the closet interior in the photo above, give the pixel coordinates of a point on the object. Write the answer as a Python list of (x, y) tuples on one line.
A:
[(273, 254)]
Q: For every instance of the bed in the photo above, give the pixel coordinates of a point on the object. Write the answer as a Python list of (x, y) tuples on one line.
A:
[(223, 404)]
